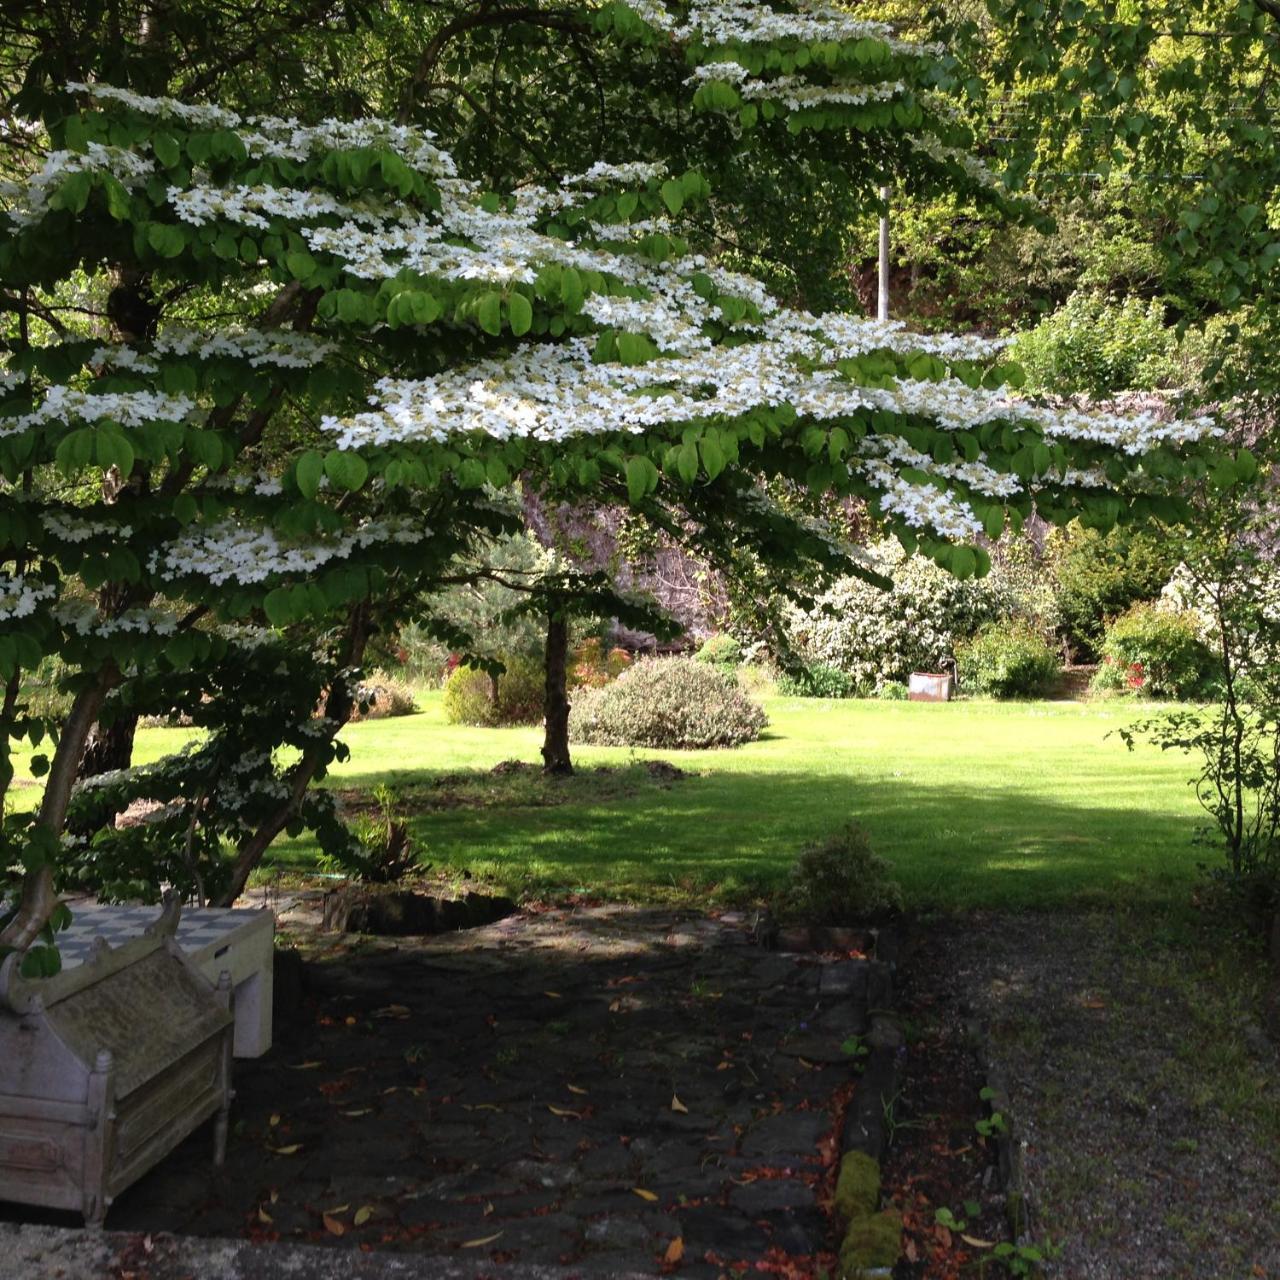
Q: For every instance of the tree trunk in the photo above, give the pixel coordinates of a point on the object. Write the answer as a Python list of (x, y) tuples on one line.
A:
[(555, 743), (338, 706), (109, 748), (38, 899)]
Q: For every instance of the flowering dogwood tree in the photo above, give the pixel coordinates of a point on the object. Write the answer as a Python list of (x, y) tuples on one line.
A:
[(327, 349)]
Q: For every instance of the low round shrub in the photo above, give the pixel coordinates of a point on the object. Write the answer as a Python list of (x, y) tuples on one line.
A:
[(840, 879), (721, 650), (382, 696), (667, 702), (1154, 651), (472, 696), (1007, 662)]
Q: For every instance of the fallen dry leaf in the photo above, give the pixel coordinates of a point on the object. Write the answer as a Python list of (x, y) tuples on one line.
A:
[(553, 995), (561, 1111), (645, 1195), (363, 1214), (275, 1120), (675, 1251), (677, 1105), (977, 1243), (359, 1111), (333, 1226), (339, 1208), (573, 1088), (264, 1217), (304, 1066), (292, 1149), (475, 1244)]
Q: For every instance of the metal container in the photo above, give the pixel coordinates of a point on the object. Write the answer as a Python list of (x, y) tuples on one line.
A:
[(105, 1068), (926, 686)]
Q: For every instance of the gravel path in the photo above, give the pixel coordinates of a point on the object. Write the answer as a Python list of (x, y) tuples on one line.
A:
[(1142, 1084)]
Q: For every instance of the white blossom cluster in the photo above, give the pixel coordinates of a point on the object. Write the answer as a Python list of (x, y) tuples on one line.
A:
[(269, 136), (281, 348), (19, 598), (601, 175), (84, 618), (921, 505), (209, 117), (28, 201), (939, 151), (68, 527), (795, 92), (11, 379), (235, 552), (128, 408), (729, 22)]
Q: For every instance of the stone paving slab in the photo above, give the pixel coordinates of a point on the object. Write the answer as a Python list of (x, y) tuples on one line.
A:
[(575, 1089)]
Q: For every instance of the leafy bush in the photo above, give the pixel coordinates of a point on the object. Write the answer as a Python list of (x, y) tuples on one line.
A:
[(473, 696), (667, 702), (591, 666), (1006, 661), (840, 879), (382, 696), (816, 681), (1094, 345), (1155, 651), (1100, 576), (875, 636), (893, 692), (721, 650)]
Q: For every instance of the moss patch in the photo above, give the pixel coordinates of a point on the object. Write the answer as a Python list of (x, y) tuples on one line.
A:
[(858, 1186), (871, 1242)]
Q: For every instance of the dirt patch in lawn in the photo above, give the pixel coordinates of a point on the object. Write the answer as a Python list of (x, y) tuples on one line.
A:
[(518, 784)]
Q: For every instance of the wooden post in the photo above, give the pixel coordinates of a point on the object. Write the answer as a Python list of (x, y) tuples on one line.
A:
[(226, 998), (100, 1104)]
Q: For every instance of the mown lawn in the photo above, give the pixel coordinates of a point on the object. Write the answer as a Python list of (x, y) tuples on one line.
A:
[(986, 804)]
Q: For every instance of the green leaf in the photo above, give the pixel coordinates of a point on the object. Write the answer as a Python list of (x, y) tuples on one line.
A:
[(278, 606), (712, 455), (519, 314), (993, 521), (673, 195), (346, 469), (308, 470), (301, 264), (166, 149), (687, 462), (489, 313), (642, 476)]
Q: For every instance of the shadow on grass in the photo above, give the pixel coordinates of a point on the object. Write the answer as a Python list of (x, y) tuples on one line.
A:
[(737, 833)]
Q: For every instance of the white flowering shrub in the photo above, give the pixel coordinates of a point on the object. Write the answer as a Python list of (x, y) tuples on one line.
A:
[(877, 636), (322, 343)]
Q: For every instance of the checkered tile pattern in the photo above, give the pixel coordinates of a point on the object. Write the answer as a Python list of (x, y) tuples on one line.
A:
[(197, 929)]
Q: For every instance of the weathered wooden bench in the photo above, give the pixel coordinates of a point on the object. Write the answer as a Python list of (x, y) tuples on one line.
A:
[(106, 1067), (240, 941)]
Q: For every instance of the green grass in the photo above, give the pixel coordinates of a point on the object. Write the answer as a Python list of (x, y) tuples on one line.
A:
[(977, 804)]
